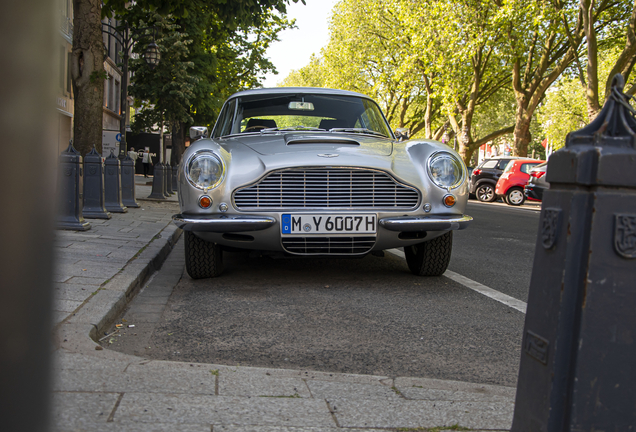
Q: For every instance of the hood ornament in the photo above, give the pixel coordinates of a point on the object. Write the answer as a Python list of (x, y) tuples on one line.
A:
[(328, 155)]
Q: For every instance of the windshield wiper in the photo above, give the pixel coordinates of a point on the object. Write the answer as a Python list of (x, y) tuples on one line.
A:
[(292, 128), (358, 130)]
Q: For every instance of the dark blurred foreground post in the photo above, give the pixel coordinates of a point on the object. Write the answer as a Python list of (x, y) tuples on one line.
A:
[(579, 345), (29, 152)]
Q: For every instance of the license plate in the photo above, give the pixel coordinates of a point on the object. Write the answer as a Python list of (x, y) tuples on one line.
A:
[(328, 224)]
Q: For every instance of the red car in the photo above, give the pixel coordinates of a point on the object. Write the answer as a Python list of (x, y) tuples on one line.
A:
[(514, 178)]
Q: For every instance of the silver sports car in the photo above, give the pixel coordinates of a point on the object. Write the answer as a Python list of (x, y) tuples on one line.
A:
[(316, 172)]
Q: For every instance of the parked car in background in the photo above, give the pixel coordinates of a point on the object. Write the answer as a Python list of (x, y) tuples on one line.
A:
[(484, 178), (537, 184), (514, 178), (316, 172)]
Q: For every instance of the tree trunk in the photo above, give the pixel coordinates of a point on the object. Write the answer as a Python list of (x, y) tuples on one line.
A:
[(178, 143), (87, 71), (522, 130), (591, 92)]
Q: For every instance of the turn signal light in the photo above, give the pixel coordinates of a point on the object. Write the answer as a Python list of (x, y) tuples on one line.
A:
[(205, 201), (449, 200), (537, 174), (476, 172)]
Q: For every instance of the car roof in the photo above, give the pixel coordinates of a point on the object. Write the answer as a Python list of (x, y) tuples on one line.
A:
[(298, 90)]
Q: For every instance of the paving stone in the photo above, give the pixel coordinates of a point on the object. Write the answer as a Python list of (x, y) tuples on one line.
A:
[(328, 390), (235, 428), (57, 277), (408, 384), (218, 410), (347, 378), (64, 360), (81, 411), (244, 382), (66, 305), (73, 292), (137, 378), (422, 414), (451, 395), (84, 281)]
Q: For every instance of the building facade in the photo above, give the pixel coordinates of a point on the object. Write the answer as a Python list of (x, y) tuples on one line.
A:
[(112, 86)]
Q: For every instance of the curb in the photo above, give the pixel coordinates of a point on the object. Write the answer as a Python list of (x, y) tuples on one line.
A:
[(110, 300)]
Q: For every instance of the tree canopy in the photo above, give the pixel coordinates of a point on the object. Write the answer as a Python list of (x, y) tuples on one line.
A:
[(475, 69)]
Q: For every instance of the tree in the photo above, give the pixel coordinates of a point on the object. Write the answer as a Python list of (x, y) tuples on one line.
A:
[(87, 72), (544, 39), (429, 65), (204, 62), (622, 21)]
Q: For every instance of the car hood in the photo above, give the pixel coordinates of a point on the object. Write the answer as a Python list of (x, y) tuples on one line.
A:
[(326, 143)]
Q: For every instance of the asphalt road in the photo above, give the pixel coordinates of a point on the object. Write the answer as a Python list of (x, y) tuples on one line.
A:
[(366, 316)]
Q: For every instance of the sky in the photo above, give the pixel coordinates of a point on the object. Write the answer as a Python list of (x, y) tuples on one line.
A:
[(297, 45)]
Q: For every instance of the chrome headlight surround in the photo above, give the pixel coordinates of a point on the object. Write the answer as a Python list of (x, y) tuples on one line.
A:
[(445, 170), (205, 170)]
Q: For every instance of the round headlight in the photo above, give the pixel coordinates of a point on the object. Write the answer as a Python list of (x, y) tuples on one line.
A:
[(205, 170), (445, 170)]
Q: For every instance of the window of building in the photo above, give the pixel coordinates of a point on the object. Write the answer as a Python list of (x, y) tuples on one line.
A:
[(116, 96), (62, 67)]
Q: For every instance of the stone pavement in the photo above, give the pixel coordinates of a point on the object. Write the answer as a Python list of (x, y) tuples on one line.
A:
[(100, 270)]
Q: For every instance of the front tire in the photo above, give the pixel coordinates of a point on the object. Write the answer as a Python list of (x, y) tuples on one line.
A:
[(430, 258), (485, 192), (203, 259), (515, 196)]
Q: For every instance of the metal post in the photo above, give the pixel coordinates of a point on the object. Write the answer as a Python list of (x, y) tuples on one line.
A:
[(94, 207), (169, 179), (112, 185), (70, 190), (174, 178), (157, 183), (128, 182), (577, 363)]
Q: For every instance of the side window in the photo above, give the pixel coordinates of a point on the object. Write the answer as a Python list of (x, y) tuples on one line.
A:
[(525, 168), (490, 164), (224, 123), (503, 163)]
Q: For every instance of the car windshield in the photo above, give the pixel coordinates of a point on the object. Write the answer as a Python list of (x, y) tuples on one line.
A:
[(275, 113)]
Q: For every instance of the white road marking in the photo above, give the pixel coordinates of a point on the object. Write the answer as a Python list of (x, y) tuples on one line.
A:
[(476, 286), (528, 207)]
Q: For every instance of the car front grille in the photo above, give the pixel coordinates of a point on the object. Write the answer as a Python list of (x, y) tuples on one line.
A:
[(328, 245), (319, 188)]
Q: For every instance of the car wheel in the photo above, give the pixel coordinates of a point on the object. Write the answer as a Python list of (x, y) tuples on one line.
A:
[(430, 258), (485, 192), (515, 196), (203, 259)]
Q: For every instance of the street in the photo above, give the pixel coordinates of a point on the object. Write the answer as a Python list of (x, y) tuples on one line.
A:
[(360, 316)]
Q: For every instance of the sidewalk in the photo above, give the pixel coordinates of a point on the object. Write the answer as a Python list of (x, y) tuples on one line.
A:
[(100, 270)]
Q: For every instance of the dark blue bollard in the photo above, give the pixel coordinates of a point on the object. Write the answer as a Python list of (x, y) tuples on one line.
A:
[(70, 190), (128, 182), (579, 344), (94, 207), (112, 185), (174, 178), (169, 180), (164, 168), (157, 183)]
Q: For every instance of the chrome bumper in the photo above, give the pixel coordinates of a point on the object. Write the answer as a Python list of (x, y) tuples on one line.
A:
[(222, 223), (425, 223)]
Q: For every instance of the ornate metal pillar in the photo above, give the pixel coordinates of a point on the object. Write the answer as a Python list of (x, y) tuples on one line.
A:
[(577, 363), (71, 191)]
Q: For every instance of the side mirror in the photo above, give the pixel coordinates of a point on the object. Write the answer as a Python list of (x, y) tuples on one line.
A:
[(197, 132), (402, 134)]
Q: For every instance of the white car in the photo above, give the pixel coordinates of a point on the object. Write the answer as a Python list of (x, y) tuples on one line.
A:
[(316, 172)]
